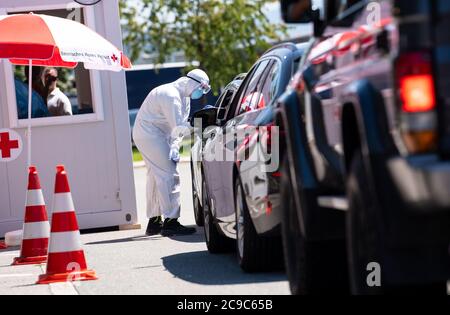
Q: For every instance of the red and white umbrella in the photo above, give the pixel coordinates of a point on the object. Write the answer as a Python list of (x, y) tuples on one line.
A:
[(42, 40)]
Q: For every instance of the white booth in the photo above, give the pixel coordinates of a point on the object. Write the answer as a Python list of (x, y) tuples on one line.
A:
[(94, 143)]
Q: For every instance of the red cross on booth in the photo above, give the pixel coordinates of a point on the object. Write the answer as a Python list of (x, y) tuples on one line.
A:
[(10, 145)]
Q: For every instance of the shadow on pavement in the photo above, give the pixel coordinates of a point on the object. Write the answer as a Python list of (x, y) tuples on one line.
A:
[(198, 237), (204, 268), (26, 286), (127, 240), (194, 238)]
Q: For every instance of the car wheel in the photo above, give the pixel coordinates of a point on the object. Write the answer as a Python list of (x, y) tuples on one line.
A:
[(363, 240), (312, 267), (216, 242), (293, 242), (198, 209), (255, 253)]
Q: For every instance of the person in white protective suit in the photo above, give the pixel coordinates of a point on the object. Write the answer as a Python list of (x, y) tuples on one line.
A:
[(156, 134)]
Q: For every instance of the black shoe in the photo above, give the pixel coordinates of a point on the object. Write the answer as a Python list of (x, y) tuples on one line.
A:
[(172, 227), (154, 226)]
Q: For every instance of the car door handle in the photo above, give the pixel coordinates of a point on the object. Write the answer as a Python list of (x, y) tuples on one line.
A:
[(231, 124), (242, 127)]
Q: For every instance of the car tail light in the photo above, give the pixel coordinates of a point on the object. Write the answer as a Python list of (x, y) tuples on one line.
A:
[(417, 96), (416, 82), (417, 93)]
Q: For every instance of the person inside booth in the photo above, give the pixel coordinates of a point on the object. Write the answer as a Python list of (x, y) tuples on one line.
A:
[(39, 106), (58, 103)]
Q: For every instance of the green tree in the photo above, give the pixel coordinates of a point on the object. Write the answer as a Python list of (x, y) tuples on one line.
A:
[(225, 36)]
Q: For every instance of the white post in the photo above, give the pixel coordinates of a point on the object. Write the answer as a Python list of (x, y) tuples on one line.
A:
[(30, 100)]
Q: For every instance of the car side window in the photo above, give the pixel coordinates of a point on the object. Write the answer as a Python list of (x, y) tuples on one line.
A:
[(270, 87), (235, 102), (227, 98), (220, 100), (225, 102), (251, 97)]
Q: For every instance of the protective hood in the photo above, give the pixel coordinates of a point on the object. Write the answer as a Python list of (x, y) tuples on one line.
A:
[(192, 81), (186, 86)]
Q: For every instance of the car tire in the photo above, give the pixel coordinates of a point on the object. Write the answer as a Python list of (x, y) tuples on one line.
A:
[(255, 253), (215, 241), (198, 209), (312, 267), (363, 238)]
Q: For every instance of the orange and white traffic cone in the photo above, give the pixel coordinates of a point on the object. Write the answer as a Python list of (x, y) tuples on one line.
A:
[(66, 260), (36, 229)]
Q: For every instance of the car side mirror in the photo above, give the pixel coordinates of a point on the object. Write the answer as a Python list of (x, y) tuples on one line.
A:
[(296, 11), (318, 12), (207, 116)]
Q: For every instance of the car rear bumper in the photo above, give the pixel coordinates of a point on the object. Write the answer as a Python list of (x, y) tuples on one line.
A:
[(414, 196), (423, 184)]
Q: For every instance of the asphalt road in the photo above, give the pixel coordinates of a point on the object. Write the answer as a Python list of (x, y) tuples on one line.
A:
[(127, 262)]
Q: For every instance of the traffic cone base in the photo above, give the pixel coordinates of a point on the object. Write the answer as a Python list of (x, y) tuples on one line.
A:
[(37, 249), (85, 275), (75, 263), (29, 261)]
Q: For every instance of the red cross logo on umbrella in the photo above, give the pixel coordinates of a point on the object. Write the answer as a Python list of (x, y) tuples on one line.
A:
[(114, 58), (10, 145)]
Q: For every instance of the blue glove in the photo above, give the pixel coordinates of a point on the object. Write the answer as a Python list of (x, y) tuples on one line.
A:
[(174, 155)]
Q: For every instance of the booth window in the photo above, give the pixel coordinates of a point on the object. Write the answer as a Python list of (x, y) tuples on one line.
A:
[(71, 94), (57, 92)]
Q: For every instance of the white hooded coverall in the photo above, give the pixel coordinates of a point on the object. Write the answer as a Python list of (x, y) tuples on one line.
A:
[(165, 108)]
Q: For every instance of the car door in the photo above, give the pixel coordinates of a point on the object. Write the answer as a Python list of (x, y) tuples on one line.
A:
[(197, 155), (240, 126), (211, 161), (208, 152), (343, 57), (221, 144), (253, 172), (321, 116)]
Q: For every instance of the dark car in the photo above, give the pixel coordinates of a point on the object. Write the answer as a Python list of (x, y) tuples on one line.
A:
[(241, 195), (366, 171)]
